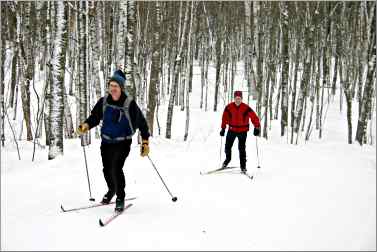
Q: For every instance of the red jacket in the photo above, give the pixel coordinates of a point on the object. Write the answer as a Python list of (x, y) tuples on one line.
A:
[(237, 117)]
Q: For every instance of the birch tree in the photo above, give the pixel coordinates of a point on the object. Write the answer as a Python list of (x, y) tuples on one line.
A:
[(12, 30), (249, 51), (177, 64), (2, 57), (370, 82), (325, 63), (83, 68), (96, 43), (189, 52), (27, 43), (57, 87), (345, 65), (130, 45), (296, 62), (306, 74), (155, 66), (285, 67)]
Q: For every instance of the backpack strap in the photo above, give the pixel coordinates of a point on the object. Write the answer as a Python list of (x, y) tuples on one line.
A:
[(126, 106), (104, 104)]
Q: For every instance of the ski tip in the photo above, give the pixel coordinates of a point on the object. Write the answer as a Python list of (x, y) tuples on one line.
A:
[(62, 208), (101, 223)]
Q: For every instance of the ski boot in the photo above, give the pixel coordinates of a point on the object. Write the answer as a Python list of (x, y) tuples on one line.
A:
[(119, 205), (107, 197)]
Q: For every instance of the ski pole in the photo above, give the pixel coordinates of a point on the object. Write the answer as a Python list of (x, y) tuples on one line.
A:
[(256, 142), (174, 199), (86, 166), (221, 145)]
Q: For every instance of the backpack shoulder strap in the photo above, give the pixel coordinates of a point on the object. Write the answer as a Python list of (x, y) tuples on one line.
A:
[(126, 106), (104, 103), (127, 102)]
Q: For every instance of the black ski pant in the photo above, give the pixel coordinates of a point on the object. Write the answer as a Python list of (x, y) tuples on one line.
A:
[(230, 137), (113, 157)]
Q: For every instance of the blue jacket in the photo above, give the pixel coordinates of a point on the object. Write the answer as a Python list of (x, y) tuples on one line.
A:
[(118, 124)]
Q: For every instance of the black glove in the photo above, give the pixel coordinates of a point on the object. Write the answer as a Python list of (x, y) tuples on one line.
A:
[(256, 131), (222, 132)]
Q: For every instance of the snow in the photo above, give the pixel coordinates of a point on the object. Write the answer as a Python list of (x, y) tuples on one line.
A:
[(319, 195)]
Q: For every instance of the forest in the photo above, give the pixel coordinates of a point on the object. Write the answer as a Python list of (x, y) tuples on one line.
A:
[(56, 58)]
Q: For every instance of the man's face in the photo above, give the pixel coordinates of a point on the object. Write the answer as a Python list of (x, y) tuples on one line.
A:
[(238, 100), (114, 90)]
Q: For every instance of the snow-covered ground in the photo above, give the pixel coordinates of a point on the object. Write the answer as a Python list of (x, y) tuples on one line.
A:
[(319, 195)]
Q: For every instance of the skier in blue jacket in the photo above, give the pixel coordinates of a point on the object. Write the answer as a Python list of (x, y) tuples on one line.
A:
[(120, 116)]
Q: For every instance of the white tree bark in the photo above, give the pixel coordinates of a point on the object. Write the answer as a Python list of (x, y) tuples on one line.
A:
[(130, 52), (155, 65), (187, 124), (83, 69), (178, 61), (249, 52), (57, 87)]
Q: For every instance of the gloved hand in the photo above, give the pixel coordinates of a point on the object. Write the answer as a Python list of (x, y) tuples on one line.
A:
[(144, 150), (222, 132), (82, 129), (256, 131)]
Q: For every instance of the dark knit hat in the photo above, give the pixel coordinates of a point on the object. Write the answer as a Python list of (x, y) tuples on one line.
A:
[(119, 78), (238, 93)]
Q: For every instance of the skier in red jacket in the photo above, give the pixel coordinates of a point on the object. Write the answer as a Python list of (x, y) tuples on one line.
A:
[(237, 114)]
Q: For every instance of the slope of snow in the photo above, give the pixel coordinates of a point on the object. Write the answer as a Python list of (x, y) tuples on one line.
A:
[(319, 195)]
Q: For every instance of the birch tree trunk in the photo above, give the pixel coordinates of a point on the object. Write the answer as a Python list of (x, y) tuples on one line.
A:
[(296, 66), (202, 82), (175, 79), (155, 66), (96, 39), (48, 71), (206, 63), (325, 65), (255, 61), (2, 59), (368, 90), (12, 21), (27, 54), (271, 66), (218, 69), (335, 75), (68, 122), (57, 87), (208, 50), (312, 98), (317, 59), (305, 81), (285, 68), (346, 63), (130, 45), (189, 58), (82, 85), (249, 51), (13, 76)]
